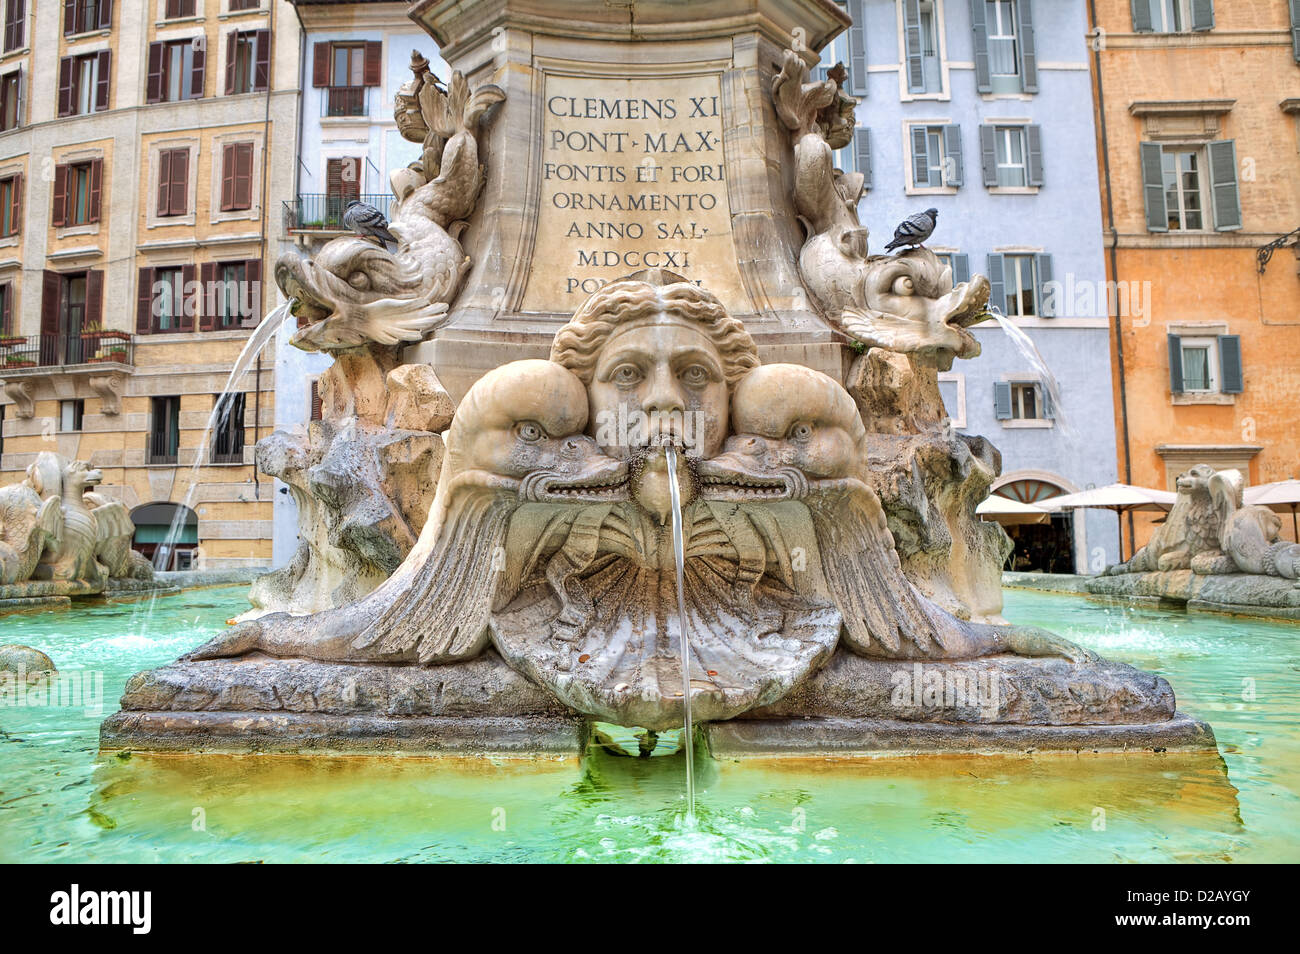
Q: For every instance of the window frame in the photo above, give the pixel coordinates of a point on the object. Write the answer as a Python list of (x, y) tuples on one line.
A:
[(1210, 344), (1205, 210), (11, 80), (1017, 258)]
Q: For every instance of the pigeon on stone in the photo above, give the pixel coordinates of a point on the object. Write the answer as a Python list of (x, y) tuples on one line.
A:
[(914, 229), (368, 222)]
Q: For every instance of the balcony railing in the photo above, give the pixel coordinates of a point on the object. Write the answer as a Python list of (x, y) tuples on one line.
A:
[(325, 212), (45, 351), (162, 447), (343, 100)]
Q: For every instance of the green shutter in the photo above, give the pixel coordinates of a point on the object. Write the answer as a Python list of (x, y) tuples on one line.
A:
[(858, 48), (1230, 378), (1002, 400), (980, 27), (912, 35), (1028, 54), (1153, 187), (920, 161), (1034, 154), (1045, 403), (989, 154), (1202, 15), (960, 268), (952, 165), (997, 284), (862, 154), (1223, 185), (1175, 364), (1142, 22), (1295, 28), (1046, 309)]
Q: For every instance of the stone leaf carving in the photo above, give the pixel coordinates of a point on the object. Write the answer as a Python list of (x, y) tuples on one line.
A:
[(356, 291)]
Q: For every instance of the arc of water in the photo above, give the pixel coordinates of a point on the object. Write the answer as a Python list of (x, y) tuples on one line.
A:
[(1029, 351), (679, 558)]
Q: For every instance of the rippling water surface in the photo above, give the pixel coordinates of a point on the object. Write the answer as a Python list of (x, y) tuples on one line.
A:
[(60, 802)]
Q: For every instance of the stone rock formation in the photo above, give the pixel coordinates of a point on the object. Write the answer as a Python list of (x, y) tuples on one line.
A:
[(25, 663)]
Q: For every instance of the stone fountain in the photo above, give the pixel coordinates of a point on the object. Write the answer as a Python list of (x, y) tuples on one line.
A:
[(626, 231)]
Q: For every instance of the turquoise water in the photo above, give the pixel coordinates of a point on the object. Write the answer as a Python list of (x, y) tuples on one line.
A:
[(60, 802)]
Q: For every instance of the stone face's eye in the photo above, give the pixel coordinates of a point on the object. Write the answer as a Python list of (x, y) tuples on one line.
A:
[(529, 432), (359, 280), (695, 376), (626, 375), (801, 431), (904, 286)]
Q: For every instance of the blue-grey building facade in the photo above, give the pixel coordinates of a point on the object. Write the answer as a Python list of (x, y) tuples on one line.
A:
[(983, 110)]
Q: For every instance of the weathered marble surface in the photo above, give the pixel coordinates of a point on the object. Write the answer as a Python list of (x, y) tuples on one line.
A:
[(1246, 593), (31, 663)]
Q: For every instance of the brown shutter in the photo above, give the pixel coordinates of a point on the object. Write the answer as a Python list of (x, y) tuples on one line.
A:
[(227, 177), (60, 215), (69, 17), (243, 191), (262, 59), (208, 309), (7, 315), (51, 287), (320, 65), (144, 302), (189, 299), (96, 183), (65, 86), (16, 205), (101, 81), (153, 85), (315, 400), (94, 299), (164, 181), (232, 44), (197, 71), (374, 62), (253, 277), (105, 14), (178, 200)]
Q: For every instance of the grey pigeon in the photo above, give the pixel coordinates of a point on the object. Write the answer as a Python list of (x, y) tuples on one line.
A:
[(914, 229), (368, 222)]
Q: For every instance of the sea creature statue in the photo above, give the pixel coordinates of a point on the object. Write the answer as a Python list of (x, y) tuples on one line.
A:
[(905, 303), (550, 535), (355, 291), (1249, 535), (27, 524)]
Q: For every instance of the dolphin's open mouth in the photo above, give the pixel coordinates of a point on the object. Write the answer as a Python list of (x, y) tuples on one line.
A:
[(742, 477), (597, 482), (971, 307)]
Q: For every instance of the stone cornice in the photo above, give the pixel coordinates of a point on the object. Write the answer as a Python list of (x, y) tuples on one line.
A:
[(1185, 107)]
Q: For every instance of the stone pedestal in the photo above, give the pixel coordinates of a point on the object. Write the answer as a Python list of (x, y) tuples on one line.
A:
[(1248, 594), (631, 137)]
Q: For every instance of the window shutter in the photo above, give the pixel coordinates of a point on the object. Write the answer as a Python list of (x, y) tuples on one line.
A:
[(69, 17), (101, 80), (1028, 54), (320, 65), (253, 276), (315, 400), (1002, 400), (920, 161), (952, 164), (912, 33), (96, 184), (1046, 308), (1175, 364), (989, 154), (164, 182), (1202, 15), (373, 69), (153, 84), (862, 154), (227, 177), (7, 315), (262, 59), (858, 48), (51, 290), (1034, 153), (60, 213), (94, 315), (960, 268), (1045, 401), (997, 284), (1153, 187), (144, 302), (65, 86), (16, 205), (208, 305), (105, 14), (1142, 16), (178, 198), (198, 70), (1223, 185), (1230, 378), (188, 299), (232, 46), (243, 191), (1295, 28), (979, 24)]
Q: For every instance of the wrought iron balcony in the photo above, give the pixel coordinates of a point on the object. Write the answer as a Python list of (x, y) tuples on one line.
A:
[(112, 349), (317, 212), (343, 100)]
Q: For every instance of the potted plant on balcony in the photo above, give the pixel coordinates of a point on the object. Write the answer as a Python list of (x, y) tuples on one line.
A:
[(18, 361)]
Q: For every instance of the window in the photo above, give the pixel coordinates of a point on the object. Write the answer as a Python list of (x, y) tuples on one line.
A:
[(11, 205), (169, 301), (1185, 188), (83, 83), (236, 176), (71, 302), (176, 71), (342, 185), (176, 9), (1172, 16), (173, 182), (1021, 401), (345, 71), (70, 415), (1024, 402), (248, 60), (921, 37), (237, 5), (165, 300), (77, 188), (1004, 55), (1006, 60), (15, 24), (936, 156), (1012, 156), (11, 109), (959, 262), (228, 435), (1205, 364), (1011, 159), (1017, 282), (82, 16), (232, 293), (1021, 284), (164, 429)]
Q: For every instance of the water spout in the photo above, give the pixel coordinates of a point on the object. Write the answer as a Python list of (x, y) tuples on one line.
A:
[(679, 557), (1029, 351)]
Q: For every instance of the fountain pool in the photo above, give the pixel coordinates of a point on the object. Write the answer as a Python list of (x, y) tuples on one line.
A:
[(60, 802)]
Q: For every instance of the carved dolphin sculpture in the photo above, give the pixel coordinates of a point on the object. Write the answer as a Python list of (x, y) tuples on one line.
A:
[(516, 437), (27, 525), (791, 418)]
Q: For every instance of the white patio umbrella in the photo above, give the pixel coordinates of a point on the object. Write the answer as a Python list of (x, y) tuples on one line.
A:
[(1010, 512), (1121, 498), (1280, 496)]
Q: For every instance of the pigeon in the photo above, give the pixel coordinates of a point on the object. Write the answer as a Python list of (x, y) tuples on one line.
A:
[(914, 229), (369, 222)]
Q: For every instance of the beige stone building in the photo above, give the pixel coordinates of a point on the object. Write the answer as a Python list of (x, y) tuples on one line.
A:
[(146, 149)]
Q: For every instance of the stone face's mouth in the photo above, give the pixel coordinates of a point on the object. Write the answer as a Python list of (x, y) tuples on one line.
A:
[(970, 307), (598, 482), (743, 477)]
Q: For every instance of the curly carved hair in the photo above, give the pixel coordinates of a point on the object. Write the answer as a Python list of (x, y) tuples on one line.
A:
[(644, 295)]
